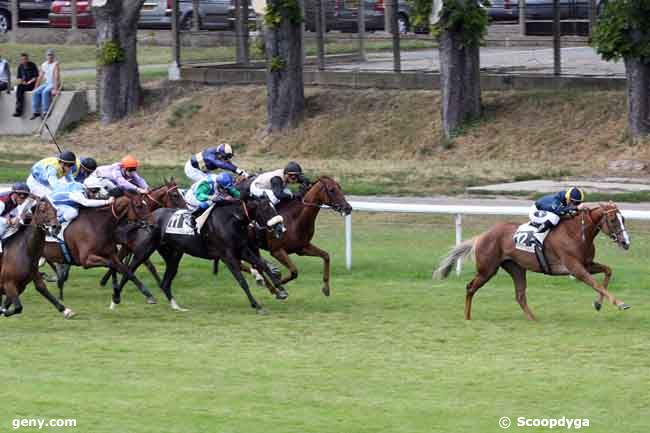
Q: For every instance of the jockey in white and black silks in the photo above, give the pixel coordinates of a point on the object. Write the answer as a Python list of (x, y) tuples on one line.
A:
[(11, 205), (275, 184)]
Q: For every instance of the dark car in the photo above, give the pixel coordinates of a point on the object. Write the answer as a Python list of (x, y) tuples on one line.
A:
[(569, 9), (213, 14), (506, 10), (343, 15), (29, 12)]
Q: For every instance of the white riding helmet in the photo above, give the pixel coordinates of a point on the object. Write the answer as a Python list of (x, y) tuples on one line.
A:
[(93, 182)]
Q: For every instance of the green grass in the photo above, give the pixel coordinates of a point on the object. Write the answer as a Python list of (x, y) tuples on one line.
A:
[(389, 351)]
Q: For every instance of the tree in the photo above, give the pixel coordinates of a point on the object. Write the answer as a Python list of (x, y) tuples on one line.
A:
[(285, 87), (118, 79), (461, 27), (623, 32)]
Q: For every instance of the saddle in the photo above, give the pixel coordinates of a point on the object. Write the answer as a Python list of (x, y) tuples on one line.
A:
[(60, 240), (527, 238)]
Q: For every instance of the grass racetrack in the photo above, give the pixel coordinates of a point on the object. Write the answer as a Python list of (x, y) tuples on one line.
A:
[(389, 351)]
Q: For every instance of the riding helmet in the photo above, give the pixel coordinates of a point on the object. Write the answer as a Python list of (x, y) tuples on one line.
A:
[(89, 164), (67, 157), (224, 149), (129, 162), (293, 168), (575, 194), (20, 187), (225, 180)]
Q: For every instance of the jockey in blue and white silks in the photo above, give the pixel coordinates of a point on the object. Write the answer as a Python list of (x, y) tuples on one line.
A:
[(48, 172), (68, 198), (546, 211), (213, 158), (211, 189)]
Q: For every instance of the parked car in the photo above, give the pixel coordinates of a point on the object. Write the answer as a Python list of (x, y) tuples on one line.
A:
[(156, 14), (29, 12), (343, 15), (502, 10), (569, 9)]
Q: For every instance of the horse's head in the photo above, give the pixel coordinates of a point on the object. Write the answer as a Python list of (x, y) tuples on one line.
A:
[(131, 205), (44, 216), (264, 214), (326, 191), (612, 223), (167, 196)]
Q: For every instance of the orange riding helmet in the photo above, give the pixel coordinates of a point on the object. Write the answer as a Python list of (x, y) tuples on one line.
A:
[(129, 162)]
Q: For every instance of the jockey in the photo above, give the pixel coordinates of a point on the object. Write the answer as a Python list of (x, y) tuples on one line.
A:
[(212, 158), (274, 184), (67, 200), (212, 189), (546, 211), (48, 172), (95, 188), (11, 206), (86, 167), (122, 175)]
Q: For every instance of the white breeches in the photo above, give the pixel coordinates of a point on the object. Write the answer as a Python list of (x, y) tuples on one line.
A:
[(541, 216), (37, 188), (193, 173)]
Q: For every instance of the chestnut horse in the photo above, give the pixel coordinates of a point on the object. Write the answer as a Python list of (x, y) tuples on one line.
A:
[(93, 236), (569, 250), (300, 219), (19, 263)]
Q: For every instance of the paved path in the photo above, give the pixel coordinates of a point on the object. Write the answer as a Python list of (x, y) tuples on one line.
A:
[(575, 61)]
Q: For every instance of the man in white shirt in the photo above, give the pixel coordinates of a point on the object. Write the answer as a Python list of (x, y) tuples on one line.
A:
[(47, 86)]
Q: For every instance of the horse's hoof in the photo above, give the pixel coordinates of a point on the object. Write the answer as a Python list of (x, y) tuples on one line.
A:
[(282, 294), (623, 306), (112, 306), (177, 307), (326, 291), (68, 313), (597, 305), (151, 300), (261, 311)]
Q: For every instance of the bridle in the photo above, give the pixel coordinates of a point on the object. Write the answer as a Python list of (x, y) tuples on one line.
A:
[(165, 196), (604, 220), (335, 208)]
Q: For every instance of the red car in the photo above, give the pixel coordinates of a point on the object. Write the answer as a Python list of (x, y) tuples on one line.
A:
[(61, 14)]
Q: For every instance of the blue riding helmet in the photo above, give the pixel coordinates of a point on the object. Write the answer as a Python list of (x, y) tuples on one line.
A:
[(225, 180), (575, 195), (20, 187)]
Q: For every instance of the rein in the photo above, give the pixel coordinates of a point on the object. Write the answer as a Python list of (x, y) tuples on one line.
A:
[(317, 205), (599, 226)]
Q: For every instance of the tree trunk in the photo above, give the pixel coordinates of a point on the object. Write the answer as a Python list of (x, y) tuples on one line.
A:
[(638, 97), (460, 81), (285, 88), (118, 80)]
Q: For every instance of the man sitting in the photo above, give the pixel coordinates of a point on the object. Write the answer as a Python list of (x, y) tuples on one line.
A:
[(48, 172), (546, 212), (212, 189), (47, 86), (210, 159), (69, 198), (27, 75), (274, 184), (11, 207), (123, 175)]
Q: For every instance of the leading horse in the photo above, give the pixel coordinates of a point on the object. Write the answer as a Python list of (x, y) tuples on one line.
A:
[(569, 249)]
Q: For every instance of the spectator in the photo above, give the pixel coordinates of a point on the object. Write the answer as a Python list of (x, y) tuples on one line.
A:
[(5, 76), (26, 76), (47, 86)]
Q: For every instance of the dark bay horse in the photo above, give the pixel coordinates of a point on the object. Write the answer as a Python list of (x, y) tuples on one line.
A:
[(300, 219), (19, 262), (164, 196), (224, 236), (569, 249), (93, 236)]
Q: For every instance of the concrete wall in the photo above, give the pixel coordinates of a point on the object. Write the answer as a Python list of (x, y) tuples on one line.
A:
[(404, 80), (70, 108)]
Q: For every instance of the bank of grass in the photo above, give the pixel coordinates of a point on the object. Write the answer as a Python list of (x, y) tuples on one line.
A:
[(389, 351)]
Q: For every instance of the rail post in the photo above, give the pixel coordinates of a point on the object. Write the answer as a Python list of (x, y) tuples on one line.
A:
[(348, 241), (458, 219)]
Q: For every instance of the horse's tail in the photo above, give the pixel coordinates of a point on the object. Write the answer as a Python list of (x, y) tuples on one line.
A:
[(457, 253)]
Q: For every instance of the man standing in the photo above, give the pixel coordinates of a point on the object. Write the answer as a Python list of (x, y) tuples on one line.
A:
[(26, 76), (5, 76), (47, 86)]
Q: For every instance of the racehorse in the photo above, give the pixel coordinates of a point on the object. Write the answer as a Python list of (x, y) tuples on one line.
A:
[(224, 236), (92, 238), (300, 219), (165, 196), (569, 249), (19, 263)]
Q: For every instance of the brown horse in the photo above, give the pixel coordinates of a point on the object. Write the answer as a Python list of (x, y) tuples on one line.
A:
[(300, 220), (93, 236), (569, 249), (19, 263), (165, 196)]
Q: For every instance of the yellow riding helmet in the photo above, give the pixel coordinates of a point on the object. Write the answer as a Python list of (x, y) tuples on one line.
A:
[(574, 194)]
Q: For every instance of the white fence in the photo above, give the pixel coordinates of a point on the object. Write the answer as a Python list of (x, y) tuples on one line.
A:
[(457, 210)]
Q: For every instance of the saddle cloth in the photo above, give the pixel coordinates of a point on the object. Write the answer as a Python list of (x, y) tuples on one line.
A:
[(180, 223), (526, 237)]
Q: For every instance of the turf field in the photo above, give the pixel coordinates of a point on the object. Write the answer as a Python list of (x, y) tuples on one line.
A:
[(389, 351)]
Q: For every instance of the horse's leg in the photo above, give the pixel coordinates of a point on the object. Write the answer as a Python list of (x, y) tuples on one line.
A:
[(283, 258), (518, 275), (260, 278), (263, 269), (314, 251), (234, 266), (153, 271), (172, 259), (62, 274), (114, 262), (11, 290), (122, 254), (483, 275), (41, 287), (581, 273), (597, 268)]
